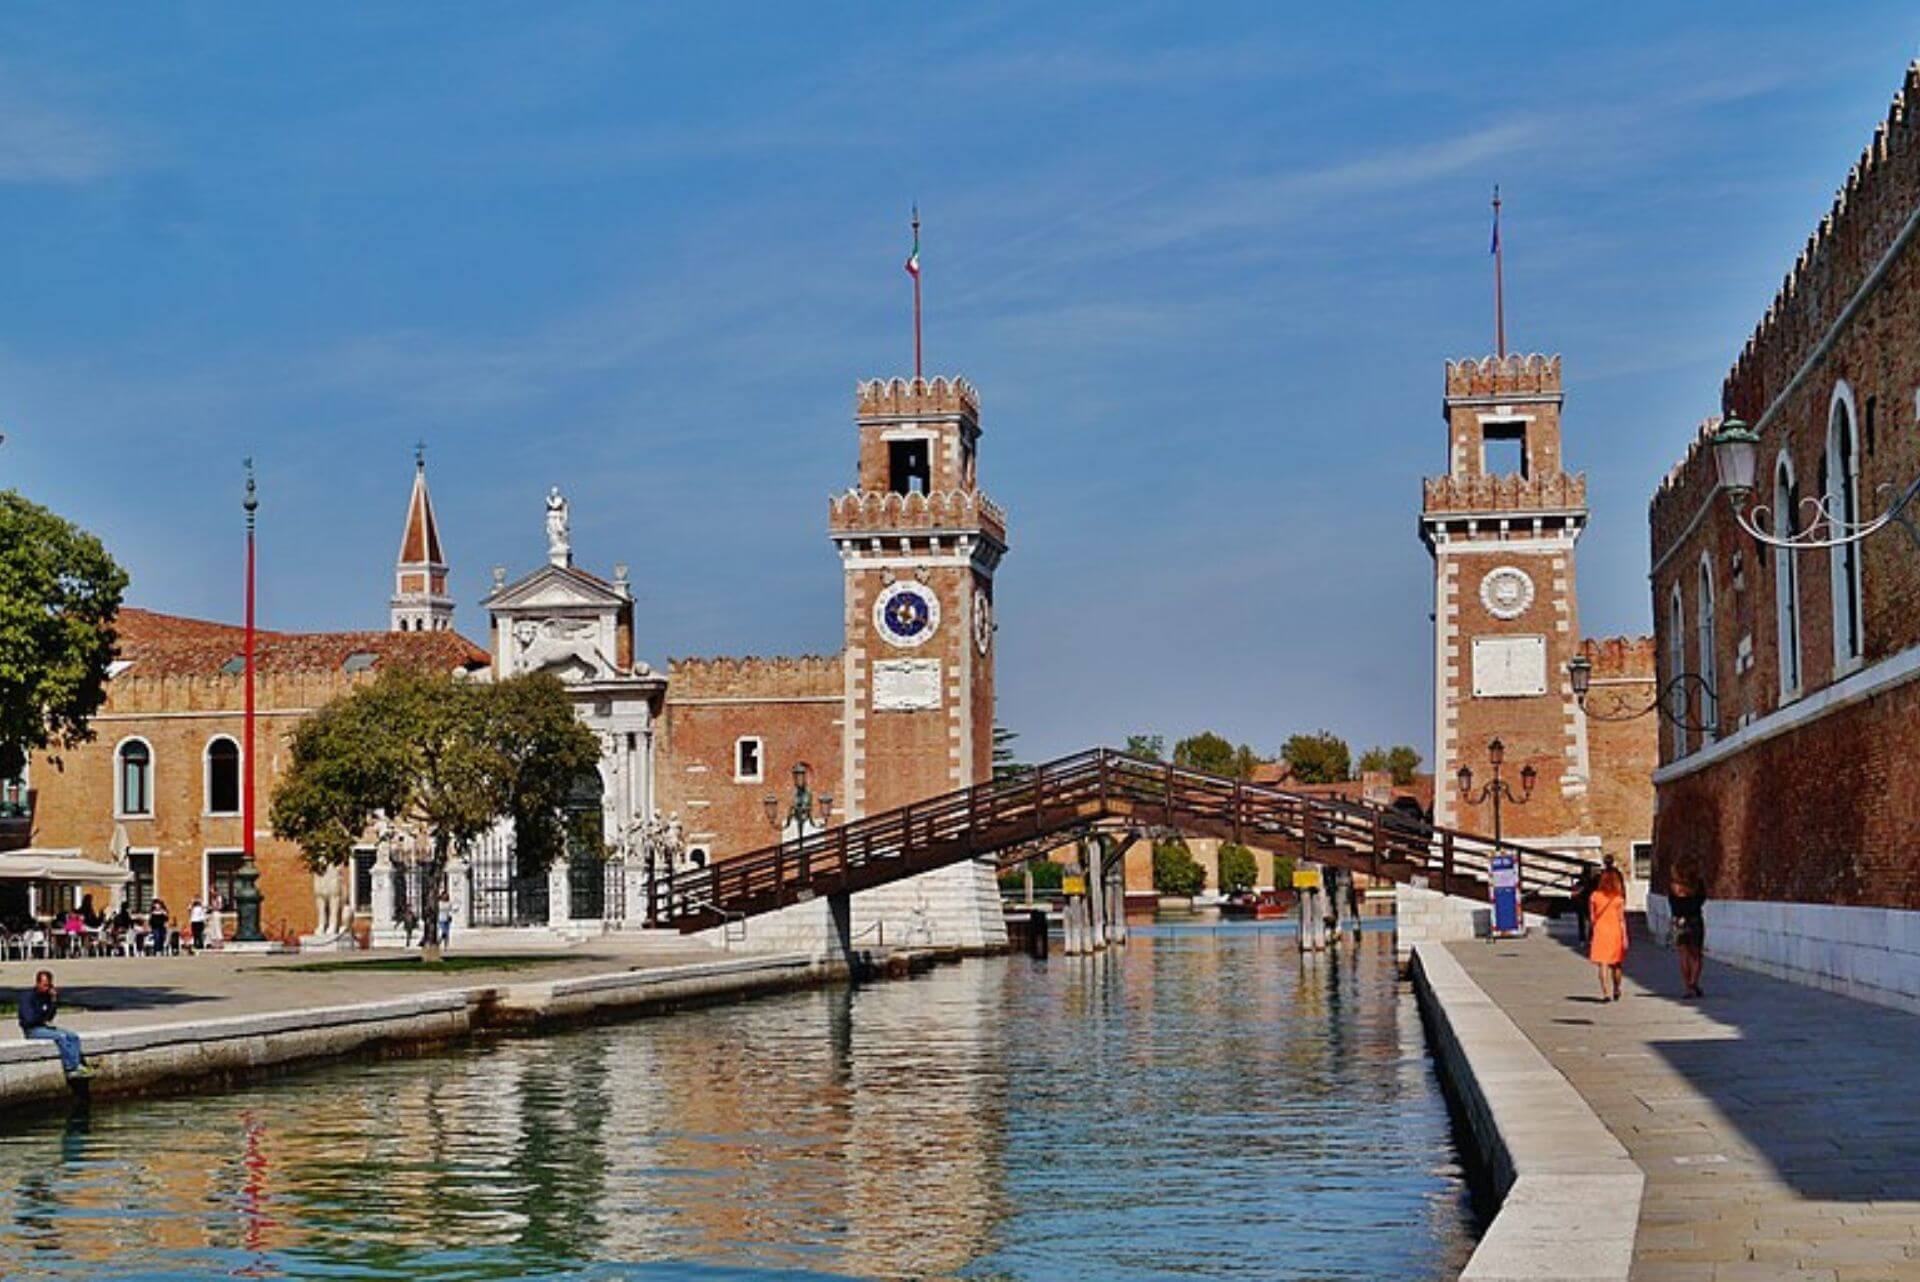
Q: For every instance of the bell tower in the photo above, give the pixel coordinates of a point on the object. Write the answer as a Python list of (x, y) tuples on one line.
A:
[(919, 544), (1502, 525), (420, 602)]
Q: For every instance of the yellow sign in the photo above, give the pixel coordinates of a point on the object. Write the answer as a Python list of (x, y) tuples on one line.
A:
[(1073, 885), (1306, 879)]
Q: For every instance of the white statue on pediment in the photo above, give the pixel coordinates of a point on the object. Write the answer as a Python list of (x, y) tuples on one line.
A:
[(559, 537)]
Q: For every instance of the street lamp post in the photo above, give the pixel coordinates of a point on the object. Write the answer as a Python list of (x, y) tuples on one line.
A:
[(1736, 459), (1497, 790), (246, 890), (800, 812)]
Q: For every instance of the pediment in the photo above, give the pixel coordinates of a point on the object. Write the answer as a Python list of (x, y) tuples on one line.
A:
[(554, 587)]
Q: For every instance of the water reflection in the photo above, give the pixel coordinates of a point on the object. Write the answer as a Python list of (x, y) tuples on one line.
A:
[(1204, 1105)]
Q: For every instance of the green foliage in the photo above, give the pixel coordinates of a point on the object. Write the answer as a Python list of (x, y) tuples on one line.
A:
[(59, 593), (1282, 871), (1147, 747), (1005, 765), (1216, 755), (1401, 761), (450, 755), (1318, 758), (1238, 869), (1175, 870), (1047, 876)]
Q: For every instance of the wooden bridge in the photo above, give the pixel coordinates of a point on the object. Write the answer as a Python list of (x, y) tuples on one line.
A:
[(1012, 818)]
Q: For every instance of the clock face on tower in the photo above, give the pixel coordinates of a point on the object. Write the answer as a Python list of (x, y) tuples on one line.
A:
[(1506, 592), (906, 614), (982, 620)]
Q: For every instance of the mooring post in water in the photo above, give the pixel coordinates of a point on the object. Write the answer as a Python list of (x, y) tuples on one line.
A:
[(1313, 925), (1096, 892)]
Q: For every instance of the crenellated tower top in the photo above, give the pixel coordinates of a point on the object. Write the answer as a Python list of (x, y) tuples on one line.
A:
[(1513, 375), (911, 397)]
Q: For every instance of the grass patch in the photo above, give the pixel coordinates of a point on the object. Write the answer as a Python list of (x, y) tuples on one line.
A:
[(416, 965)]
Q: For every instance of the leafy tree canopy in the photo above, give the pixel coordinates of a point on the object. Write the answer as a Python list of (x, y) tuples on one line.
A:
[(450, 755), (59, 593), (1216, 755), (1147, 747), (1318, 758), (1175, 870), (1238, 869), (1401, 761)]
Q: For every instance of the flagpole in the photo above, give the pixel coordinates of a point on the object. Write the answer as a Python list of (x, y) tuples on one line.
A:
[(917, 370), (1499, 287)]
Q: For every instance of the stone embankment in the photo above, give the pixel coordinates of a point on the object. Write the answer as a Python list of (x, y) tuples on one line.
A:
[(200, 1053), (1569, 1192)]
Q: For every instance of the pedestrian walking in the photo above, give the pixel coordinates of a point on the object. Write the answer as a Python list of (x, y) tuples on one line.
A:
[(39, 1007), (446, 919), (409, 922), (216, 929), (157, 927), (197, 923), (1687, 901), (1608, 913), (1582, 897)]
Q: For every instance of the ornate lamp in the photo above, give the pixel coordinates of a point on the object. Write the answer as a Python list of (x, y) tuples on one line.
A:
[(1736, 456)]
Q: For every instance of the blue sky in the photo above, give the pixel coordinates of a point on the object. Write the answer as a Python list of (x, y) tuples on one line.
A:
[(1204, 263)]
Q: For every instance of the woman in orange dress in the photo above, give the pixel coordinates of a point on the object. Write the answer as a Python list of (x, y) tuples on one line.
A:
[(1608, 950)]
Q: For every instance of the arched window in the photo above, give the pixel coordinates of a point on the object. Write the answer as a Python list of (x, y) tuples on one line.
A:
[(1676, 668), (1786, 579), (223, 776), (134, 785), (1842, 477), (1709, 658)]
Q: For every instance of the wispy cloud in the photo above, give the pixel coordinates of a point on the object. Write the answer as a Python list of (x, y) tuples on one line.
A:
[(41, 146)]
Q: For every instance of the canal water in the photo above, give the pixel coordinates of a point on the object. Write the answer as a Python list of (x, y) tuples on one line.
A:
[(1200, 1104)]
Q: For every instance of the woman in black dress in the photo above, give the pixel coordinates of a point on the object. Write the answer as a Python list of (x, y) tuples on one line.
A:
[(1688, 902)]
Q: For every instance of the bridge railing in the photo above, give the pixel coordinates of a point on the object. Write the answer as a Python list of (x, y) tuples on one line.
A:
[(1022, 810)]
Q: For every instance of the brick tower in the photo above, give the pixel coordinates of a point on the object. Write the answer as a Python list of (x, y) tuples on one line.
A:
[(1501, 525), (420, 602), (919, 544)]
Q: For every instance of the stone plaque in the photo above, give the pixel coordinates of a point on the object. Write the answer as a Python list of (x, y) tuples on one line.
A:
[(906, 685), (1509, 667)]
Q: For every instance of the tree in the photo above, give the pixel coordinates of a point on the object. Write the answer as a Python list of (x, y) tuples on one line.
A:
[(1238, 869), (1214, 754), (1175, 870), (1401, 761), (59, 593), (1147, 747), (1318, 758), (450, 755), (1005, 765)]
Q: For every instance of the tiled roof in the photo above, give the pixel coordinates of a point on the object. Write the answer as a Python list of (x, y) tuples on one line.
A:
[(153, 644), (420, 541)]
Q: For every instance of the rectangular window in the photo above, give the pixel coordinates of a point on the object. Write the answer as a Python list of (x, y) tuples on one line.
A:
[(910, 466), (363, 881), (1643, 861), (140, 889), (749, 760), (13, 799), (222, 865), (1503, 448)]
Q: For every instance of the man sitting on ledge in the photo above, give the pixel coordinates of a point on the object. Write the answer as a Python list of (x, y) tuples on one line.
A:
[(38, 1007)]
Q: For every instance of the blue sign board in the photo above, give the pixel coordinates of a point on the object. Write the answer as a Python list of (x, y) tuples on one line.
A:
[(1505, 871)]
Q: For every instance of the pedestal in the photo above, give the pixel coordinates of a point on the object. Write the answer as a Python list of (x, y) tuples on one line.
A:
[(246, 903), (384, 931), (559, 907), (343, 942), (459, 892)]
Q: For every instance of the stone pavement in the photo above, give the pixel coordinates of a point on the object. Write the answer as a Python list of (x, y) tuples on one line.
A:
[(1777, 1125), (123, 992)]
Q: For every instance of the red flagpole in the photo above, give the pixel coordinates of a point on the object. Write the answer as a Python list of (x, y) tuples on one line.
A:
[(917, 372), (1499, 289)]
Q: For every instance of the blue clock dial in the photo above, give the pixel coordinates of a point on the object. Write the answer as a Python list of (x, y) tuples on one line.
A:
[(906, 613)]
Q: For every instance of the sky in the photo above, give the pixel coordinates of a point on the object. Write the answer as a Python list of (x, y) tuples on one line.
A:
[(1204, 264)]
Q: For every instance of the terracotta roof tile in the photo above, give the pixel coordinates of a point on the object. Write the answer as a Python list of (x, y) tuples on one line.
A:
[(155, 644)]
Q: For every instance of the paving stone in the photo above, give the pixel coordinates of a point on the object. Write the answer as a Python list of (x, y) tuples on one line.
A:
[(1773, 1121)]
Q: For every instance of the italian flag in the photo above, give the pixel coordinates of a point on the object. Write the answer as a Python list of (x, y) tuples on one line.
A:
[(913, 256)]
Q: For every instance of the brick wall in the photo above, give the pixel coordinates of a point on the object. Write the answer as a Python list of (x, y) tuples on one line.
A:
[(1624, 752), (1804, 814), (793, 705)]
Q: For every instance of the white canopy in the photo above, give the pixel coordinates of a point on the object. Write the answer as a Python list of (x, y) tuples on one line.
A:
[(60, 865)]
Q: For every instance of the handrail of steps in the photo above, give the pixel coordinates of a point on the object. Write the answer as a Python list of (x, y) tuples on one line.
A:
[(1015, 812)]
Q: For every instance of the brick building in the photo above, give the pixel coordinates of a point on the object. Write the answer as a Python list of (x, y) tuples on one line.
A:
[(1502, 525), (1794, 789), (903, 712), (160, 783)]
